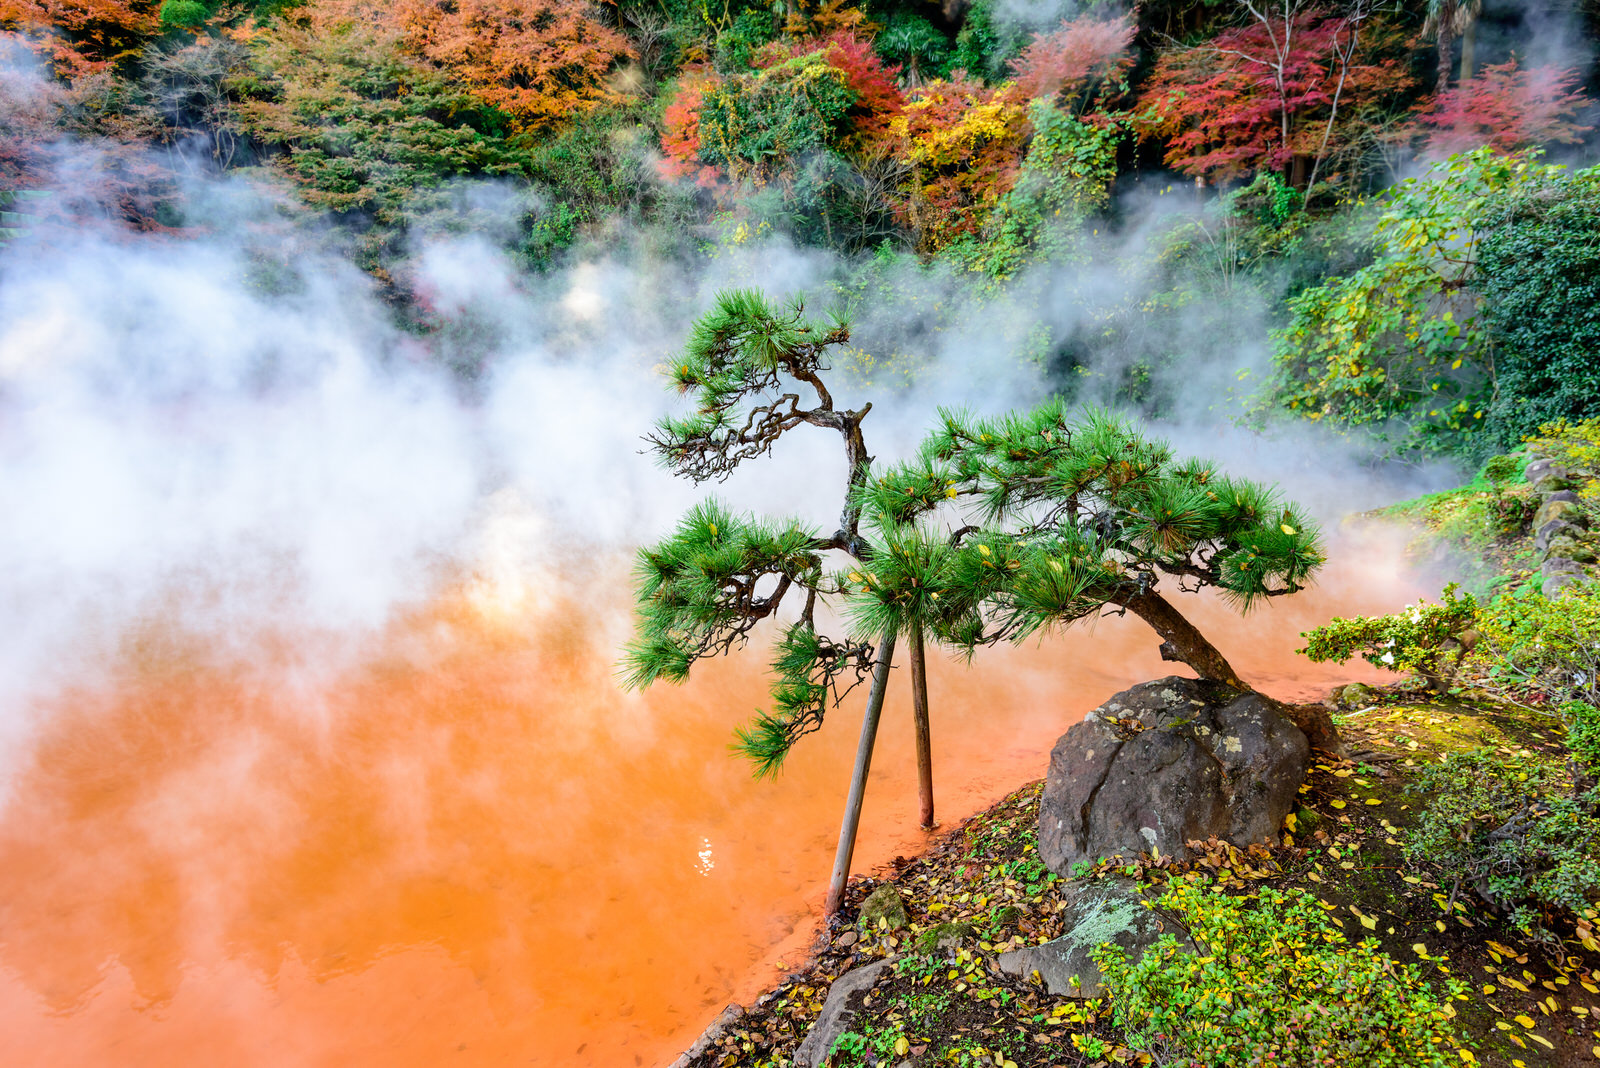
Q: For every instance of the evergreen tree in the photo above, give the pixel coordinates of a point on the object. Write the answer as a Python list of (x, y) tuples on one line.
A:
[(1068, 516), (756, 372)]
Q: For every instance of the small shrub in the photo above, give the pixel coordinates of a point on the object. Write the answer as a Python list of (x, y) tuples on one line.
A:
[(1277, 984), (1583, 736), (1508, 829), (1417, 638), (1512, 503), (1574, 445), (1552, 643)]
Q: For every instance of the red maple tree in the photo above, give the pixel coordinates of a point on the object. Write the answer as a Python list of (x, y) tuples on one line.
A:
[(1258, 96), (680, 133), (1086, 60), (1505, 108)]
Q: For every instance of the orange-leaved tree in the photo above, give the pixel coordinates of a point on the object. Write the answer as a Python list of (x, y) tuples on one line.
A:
[(539, 61), (680, 127), (964, 142), (78, 37)]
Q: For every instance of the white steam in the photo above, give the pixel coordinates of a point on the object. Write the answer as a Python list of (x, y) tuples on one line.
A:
[(234, 432)]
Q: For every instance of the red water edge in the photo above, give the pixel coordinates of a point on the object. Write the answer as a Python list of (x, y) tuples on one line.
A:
[(470, 847)]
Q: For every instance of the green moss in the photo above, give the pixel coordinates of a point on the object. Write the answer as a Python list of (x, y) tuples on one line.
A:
[(886, 904), (928, 941)]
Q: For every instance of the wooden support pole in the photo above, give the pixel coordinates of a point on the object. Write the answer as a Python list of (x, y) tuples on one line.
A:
[(858, 777)]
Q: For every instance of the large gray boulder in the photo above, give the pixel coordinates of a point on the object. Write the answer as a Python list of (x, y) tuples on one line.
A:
[(1101, 912), (1166, 763)]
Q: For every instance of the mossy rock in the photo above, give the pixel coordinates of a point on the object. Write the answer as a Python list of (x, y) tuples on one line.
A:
[(945, 936), (884, 903), (1567, 547), (1112, 912), (1355, 695), (1552, 510), (1306, 821)]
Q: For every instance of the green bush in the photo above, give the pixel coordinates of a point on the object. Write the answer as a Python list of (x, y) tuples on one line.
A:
[(1539, 271), (1583, 737), (755, 124), (1554, 643), (743, 38), (183, 14), (1275, 983), (1417, 638), (1509, 829)]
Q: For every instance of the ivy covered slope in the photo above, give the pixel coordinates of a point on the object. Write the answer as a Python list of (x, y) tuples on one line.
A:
[(1433, 899)]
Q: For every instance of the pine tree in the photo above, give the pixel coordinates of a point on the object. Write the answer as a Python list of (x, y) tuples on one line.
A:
[(757, 371), (1069, 516)]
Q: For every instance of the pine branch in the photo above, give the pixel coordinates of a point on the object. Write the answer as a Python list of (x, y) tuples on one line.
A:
[(812, 675)]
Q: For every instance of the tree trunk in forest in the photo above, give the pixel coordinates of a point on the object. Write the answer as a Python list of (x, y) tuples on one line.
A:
[(1447, 18), (1187, 643), (858, 777), (1299, 169), (919, 718), (1469, 51)]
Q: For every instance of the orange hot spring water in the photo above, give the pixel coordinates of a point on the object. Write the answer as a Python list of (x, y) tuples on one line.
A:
[(466, 846)]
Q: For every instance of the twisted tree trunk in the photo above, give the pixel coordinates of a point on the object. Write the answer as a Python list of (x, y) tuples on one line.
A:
[(1181, 641), (1446, 34)]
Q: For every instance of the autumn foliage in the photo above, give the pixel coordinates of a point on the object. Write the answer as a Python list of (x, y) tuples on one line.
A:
[(680, 123), (1226, 111), (78, 37), (1507, 109), (1084, 59), (876, 88), (539, 61), (964, 142)]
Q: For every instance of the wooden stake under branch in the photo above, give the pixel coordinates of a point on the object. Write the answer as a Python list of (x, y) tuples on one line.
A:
[(858, 777)]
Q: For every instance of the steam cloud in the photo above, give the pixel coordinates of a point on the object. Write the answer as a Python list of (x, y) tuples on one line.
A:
[(188, 431)]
